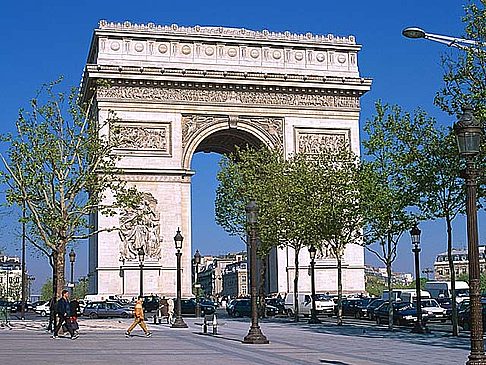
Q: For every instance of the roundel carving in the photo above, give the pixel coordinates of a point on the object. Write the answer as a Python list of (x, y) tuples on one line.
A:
[(232, 52), (162, 48), (299, 56), (139, 47), (209, 51), (254, 53), (115, 46), (186, 50)]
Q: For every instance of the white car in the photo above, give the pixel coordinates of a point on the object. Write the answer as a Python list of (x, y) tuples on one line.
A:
[(43, 309), (434, 310)]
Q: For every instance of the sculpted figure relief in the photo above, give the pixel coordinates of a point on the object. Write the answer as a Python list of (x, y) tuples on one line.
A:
[(140, 227)]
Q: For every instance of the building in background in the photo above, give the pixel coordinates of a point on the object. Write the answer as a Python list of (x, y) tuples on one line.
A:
[(235, 280), (10, 278), (212, 270), (461, 263), (398, 278)]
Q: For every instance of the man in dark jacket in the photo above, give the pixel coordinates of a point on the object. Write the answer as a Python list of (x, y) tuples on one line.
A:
[(64, 311)]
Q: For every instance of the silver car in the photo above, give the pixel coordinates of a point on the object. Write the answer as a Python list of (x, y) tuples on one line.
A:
[(106, 310)]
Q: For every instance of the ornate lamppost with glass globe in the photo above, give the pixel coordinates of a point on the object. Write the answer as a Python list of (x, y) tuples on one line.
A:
[(469, 132), (141, 258), (179, 322), (255, 334), (312, 253), (415, 234), (197, 261)]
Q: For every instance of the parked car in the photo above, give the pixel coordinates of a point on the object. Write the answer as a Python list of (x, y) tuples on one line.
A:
[(106, 310), (278, 303), (349, 306), (242, 308), (150, 303), (433, 310), (324, 304), (464, 317), (403, 313), (371, 307), (188, 306), (361, 310), (229, 306), (17, 306), (43, 309)]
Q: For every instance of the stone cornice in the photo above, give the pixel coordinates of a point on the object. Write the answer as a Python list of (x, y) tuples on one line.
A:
[(144, 74), (225, 33)]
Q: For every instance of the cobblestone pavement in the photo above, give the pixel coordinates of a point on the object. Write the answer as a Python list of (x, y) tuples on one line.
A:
[(103, 342)]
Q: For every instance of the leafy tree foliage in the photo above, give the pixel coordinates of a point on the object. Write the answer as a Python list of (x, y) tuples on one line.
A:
[(61, 165), (386, 196)]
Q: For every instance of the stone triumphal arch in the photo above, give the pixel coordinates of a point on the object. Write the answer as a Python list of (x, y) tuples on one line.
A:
[(180, 90)]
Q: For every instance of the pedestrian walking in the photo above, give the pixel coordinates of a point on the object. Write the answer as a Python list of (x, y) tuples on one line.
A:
[(170, 310), (139, 319), (52, 315), (63, 310), (75, 312)]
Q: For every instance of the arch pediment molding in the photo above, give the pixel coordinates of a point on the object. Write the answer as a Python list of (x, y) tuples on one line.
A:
[(196, 128)]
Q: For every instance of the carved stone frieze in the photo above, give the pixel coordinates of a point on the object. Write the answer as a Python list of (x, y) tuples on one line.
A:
[(312, 143), (139, 137), (140, 228), (254, 97)]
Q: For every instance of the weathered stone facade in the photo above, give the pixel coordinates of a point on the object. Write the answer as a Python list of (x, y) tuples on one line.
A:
[(177, 91)]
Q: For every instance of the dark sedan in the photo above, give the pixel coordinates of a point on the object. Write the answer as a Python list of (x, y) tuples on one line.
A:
[(106, 310), (242, 308), (403, 314), (464, 317), (371, 307), (188, 306)]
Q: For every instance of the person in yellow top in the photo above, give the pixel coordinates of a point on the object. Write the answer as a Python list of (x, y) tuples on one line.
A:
[(139, 319)]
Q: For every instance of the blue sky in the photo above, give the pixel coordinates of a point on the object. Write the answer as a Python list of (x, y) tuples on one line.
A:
[(41, 40)]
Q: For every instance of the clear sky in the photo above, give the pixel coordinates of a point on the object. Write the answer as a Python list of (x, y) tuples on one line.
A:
[(41, 40)]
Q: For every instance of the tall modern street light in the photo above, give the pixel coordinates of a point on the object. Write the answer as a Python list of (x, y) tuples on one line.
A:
[(141, 258), (415, 234), (72, 259), (255, 335), (469, 132), (313, 319), (179, 322), (461, 43), (197, 261)]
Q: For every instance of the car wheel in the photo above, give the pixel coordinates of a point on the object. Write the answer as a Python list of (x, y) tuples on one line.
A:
[(93, 315), (43, 313), (236, 314), (357, 315), (124, 315), (290, 313)]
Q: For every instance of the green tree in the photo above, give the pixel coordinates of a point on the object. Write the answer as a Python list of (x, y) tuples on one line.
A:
[(81, 288), (386, 197), (286, 196), (46, 290), (465, 70), (431, 168), (63, 167), (339, 211)]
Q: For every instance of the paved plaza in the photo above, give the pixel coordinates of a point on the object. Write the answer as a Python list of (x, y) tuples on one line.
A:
[(103, 342)]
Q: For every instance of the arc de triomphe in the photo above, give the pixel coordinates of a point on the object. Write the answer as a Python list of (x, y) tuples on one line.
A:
[(180, 90)]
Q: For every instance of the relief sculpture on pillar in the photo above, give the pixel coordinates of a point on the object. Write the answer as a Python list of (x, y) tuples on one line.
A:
[(140, 227), (314, 143)]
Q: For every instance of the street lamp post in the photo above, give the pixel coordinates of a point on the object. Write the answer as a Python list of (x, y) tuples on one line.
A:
[(179, 322), (255, 335), (313, 319), (468, 132), (415, 234), (141, 257), (197, 261), (72, 259), (24, 278), (461, 43)]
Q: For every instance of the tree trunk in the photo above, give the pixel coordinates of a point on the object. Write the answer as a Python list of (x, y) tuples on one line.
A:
[(340, 291), (296, 285), (455, 328), (59, 264), (54, 275)]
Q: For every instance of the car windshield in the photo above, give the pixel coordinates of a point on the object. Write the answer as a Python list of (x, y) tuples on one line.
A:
[(462, 292), (323, 297)]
